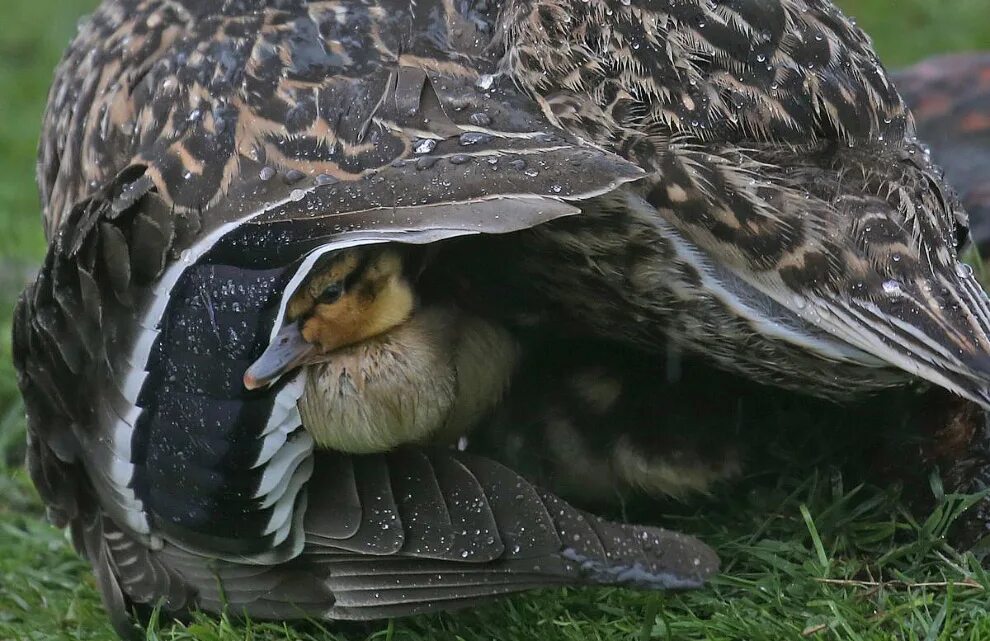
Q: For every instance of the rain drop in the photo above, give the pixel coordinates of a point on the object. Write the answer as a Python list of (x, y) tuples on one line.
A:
[(293, 176), (474, 138), (485, 81), (425, 146), (480, 119), (266, 173), (425, 163), (891, 286), (964, 270)]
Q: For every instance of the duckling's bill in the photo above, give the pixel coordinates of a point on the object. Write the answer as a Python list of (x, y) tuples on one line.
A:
[(287, 351)]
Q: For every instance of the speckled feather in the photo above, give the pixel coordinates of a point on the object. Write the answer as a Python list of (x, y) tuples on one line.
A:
[(791, 226)]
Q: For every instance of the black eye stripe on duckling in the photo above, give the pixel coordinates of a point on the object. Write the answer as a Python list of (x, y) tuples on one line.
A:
[(364, 261), (333, 291)]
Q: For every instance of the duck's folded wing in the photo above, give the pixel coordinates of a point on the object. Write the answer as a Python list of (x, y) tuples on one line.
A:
[(411, 532), (783, 159), (860, 245), (394, 535)]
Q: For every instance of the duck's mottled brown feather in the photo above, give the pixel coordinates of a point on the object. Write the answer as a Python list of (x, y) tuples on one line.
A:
[(742, 71), (784, 181)]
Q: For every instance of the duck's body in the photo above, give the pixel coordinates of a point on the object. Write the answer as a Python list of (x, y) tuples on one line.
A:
[(790, 226), (735, 183), (197, 156)]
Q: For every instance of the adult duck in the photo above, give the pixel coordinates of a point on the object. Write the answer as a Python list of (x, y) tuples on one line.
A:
[(736, 178), (199, 163)]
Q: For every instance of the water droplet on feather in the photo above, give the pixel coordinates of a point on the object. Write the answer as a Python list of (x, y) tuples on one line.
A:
[(485, 81), (480, 119), (425, 146), (964, 270)]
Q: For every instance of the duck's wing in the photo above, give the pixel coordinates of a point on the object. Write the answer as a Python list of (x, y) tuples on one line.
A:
[(781, 164), (865, 251), (412, 532), (950, 98), (193, 156)]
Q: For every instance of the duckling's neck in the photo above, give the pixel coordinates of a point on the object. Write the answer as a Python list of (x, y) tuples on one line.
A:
[(436, 374)]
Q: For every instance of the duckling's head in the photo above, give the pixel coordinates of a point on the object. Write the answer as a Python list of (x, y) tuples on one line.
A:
[(348, 297)]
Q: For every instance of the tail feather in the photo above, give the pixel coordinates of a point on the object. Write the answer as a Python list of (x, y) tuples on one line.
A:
[(944, 340)]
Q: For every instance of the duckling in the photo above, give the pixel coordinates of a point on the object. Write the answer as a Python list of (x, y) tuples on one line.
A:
[(381, 369), (598, 421)]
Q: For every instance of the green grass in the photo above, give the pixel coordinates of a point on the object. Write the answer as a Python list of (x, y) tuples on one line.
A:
[(808, 552)]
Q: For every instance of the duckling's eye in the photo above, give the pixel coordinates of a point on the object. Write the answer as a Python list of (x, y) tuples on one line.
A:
[(330, 293)]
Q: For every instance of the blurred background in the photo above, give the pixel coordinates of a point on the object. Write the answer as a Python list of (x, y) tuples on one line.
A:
[(32, 36)]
